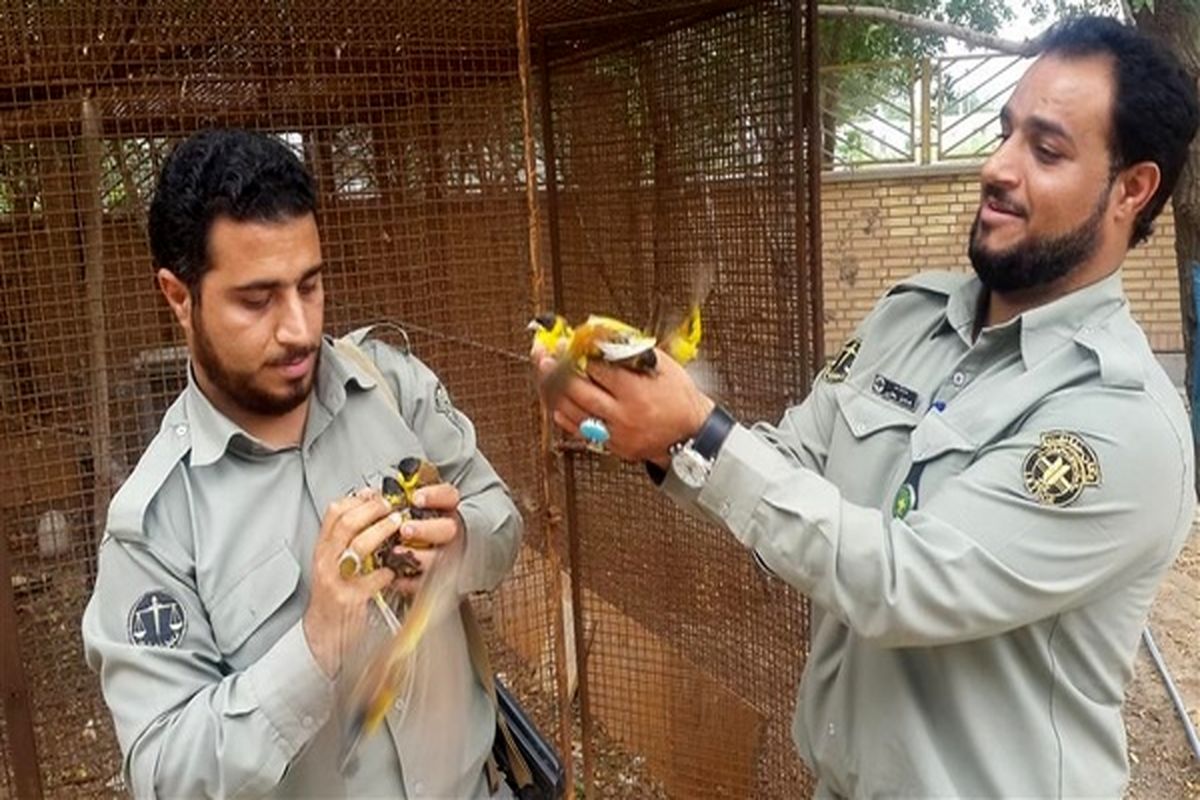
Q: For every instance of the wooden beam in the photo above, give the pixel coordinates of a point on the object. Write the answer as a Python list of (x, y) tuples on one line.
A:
[(18, 704)]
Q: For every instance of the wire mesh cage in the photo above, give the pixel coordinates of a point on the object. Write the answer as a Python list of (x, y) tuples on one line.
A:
[(672, 132), (677, 172)]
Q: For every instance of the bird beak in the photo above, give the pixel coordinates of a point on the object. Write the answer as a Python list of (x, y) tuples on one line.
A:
[(533, 325)]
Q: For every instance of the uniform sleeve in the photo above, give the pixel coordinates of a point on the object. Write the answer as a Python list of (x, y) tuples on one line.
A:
[(982, 554), (188, 725), (492, 523)]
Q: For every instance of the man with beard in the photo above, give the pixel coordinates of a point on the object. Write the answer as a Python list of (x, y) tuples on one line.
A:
[(220, 617), (986, 486)]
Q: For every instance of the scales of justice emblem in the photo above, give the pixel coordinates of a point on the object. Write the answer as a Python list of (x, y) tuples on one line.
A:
[(157, 620)]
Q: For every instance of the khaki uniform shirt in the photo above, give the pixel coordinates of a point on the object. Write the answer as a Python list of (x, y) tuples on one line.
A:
[(973, 633), (195, 621)]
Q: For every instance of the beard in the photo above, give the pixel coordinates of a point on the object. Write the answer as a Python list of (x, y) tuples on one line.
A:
[(240, 387), (1039, 261)]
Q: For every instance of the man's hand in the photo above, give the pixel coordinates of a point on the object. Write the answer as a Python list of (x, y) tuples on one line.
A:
[(432, 533), (337, 607), (645, 413)]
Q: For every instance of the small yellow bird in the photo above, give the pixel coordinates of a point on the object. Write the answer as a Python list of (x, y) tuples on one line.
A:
[(551, 332), (615, 341), (387, 671), (683, 343), (612, 340)]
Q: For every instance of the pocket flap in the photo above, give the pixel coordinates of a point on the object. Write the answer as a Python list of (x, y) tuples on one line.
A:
[(865, 413), (253, 599)]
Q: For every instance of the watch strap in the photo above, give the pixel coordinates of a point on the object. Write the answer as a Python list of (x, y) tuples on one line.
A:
[(713, 433)]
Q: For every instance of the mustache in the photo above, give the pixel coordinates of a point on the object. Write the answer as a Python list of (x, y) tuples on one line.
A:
[(1000, 198), (292, 355)]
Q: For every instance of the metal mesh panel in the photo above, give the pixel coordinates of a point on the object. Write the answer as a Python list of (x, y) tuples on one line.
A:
[(676, 153), (408, 115), (676, 156)]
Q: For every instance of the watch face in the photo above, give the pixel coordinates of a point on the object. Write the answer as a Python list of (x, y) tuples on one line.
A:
[(691, 467)]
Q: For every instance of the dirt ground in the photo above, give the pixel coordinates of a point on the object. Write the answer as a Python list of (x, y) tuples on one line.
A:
[(1162, 765), (1161, 762)]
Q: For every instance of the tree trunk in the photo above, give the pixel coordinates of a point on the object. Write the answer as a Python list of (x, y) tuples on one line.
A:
[(1177, 27)]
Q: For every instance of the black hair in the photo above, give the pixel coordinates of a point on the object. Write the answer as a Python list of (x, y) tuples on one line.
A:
[(1155, 109), (242, 175)]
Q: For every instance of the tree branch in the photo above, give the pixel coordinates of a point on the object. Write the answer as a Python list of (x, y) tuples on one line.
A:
[(1126, 12), (1028, 47)]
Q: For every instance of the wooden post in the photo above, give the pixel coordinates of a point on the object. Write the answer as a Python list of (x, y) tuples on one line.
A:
[(91, 215), (537, 286), (18, 705)]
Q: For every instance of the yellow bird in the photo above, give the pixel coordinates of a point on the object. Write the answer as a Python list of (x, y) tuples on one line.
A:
[(551, 332), (615, 341), (388, 670), (411, 474), (683, 343)]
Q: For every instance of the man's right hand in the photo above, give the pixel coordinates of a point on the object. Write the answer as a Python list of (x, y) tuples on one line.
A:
[(337, 607)]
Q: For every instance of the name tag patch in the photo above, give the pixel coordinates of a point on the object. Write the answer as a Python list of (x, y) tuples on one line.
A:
[(894, 392)]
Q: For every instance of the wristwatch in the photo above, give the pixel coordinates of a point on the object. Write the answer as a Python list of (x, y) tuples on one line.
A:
[(692, 459)]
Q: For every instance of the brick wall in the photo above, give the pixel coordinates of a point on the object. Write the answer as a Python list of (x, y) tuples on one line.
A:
[(880, 229)]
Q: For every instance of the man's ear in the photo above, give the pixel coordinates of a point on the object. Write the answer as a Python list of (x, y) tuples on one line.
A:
[(179, 298), (1135, 187)]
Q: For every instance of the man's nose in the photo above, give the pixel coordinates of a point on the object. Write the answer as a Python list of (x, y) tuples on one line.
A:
[(292, 327), (1000, 170)]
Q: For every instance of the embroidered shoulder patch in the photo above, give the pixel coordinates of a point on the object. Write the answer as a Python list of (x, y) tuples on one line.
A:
[(157, 620), (441, 401), (445, 406), (839, 368), (1058, 470)]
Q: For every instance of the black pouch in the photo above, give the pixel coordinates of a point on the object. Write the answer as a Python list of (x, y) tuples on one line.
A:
[(548, 780)]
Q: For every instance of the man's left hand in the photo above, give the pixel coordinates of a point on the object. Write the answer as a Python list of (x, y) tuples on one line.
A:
[(645, 413)]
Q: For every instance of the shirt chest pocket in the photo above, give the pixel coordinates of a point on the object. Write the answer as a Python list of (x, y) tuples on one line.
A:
[(870, 446), (249, 617)]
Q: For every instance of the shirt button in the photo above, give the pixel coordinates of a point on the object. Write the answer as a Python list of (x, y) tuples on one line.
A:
[(831, 729), (180, 430), (725, 508), (958, 379), (419, 788), (308, 722), (398, 705)]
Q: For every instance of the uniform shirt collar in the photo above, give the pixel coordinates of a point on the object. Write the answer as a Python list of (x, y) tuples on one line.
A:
[(1045, 328), (213, 433), (962, 307), (1042, 329)]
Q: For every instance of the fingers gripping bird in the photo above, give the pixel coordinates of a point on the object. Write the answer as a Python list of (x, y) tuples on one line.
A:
[(388, 668), (615, 342)]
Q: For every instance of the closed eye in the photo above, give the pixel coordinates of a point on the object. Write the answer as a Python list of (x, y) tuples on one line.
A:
[(255, 302)]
